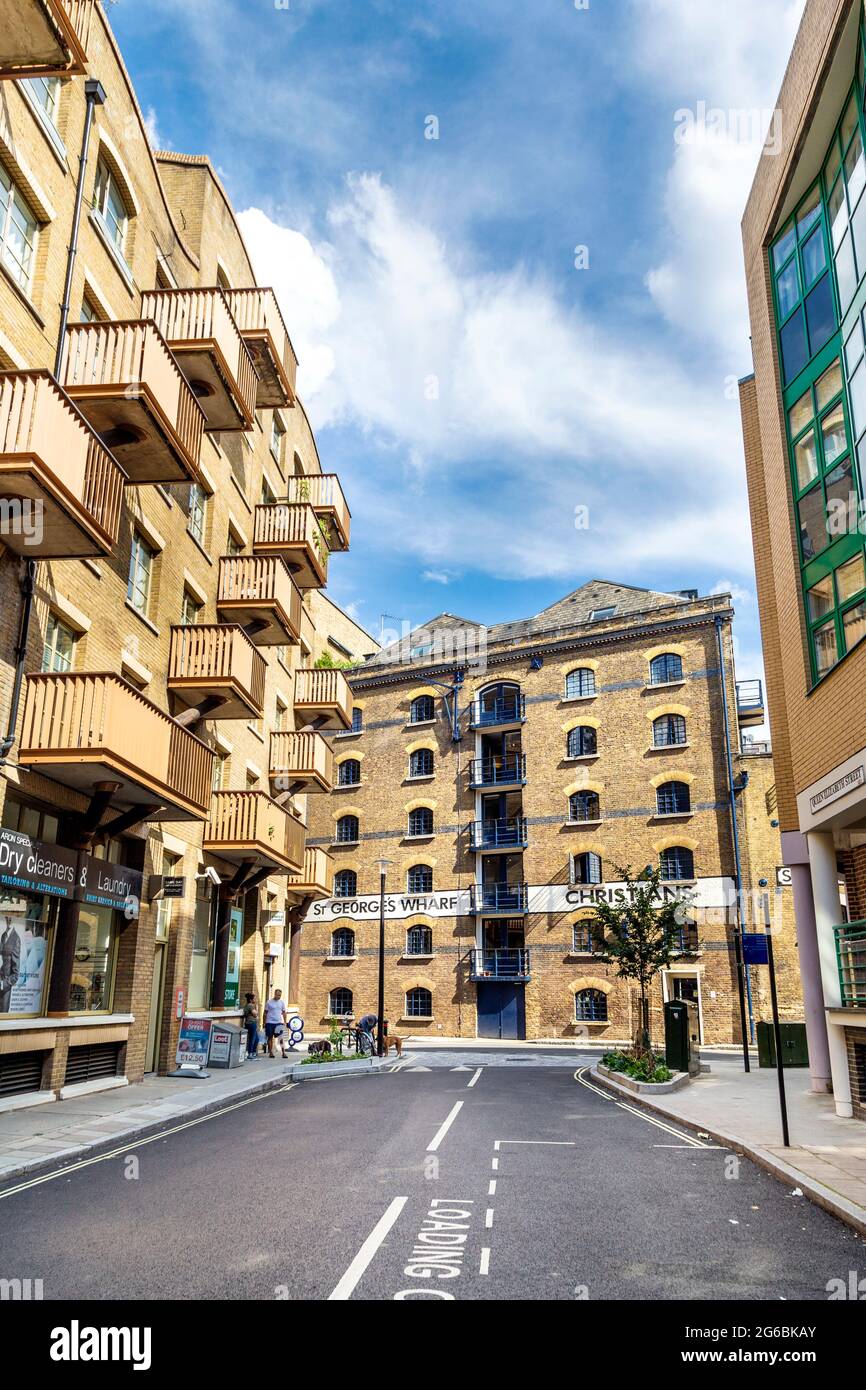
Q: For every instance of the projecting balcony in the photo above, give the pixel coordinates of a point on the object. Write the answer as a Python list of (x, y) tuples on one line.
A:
[(61, 487), (498, 899), (201, 332), (250, 826), (258, 592), (294, 532), (502, 771), (506, 964), (301, 762), (126, 382), (851, 956), (323, 698), (81, 729), (317, 876), (44, 38), (506, 712), (215, 666), (750, 703), (498, 836), (325, 495), (257, 315)]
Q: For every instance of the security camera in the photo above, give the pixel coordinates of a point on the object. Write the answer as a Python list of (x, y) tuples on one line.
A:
[(210, 873)]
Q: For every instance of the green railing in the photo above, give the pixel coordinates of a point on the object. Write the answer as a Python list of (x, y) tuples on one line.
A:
[(851, 955)]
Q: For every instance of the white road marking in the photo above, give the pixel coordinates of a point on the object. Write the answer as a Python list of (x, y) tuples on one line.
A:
[(496, 1165), (350, 1279), (461, 1068), (484, 1267), (496, 1144), (556, 1143), (444, 1128), (491, 1191), (688, 1141), (488, 1218), (475, 1077)]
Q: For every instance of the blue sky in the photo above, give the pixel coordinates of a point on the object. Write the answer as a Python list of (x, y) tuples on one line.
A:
[(471, 386)]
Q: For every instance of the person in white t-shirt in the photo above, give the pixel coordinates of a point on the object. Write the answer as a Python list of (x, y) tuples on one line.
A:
[(275, 1021)]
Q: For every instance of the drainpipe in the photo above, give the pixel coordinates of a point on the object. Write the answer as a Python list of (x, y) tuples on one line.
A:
[(28, 588), (742, 970), (94, 93)]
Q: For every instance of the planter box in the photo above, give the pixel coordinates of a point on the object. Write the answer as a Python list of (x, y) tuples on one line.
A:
[(347, 1066), (647, 1088)]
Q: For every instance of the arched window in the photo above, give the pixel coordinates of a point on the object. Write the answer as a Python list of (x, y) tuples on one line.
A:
[(357, 720), (420, 821), (580, 683), (586, 868), (582, 741), (587, 938), (584, 806), (340, 1003), (423, 709), (684, 939), (669, 730), (673, 799), (349, 773), (666, 668), (419, 941), (419, 1003), (345, 883), (421, 763), (677, 862), (343, 942), (419, 879), (347, 830), (590, 1006)]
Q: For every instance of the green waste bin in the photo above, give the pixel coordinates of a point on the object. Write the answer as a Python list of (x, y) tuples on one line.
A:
[(795, 1052)]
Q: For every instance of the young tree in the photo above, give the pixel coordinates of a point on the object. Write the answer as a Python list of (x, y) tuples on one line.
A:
[(638, 935)]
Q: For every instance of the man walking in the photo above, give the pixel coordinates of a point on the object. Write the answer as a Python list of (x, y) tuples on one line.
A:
[(275, 1021)]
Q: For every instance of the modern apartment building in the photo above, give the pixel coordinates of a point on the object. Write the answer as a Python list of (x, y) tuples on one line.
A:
[(506, 774), (804, 419), (166, 524)]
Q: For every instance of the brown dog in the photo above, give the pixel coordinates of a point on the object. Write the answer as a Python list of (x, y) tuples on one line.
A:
[(391, 1040)]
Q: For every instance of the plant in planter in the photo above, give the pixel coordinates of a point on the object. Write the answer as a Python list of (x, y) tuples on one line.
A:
[(637, 936), (643, 1066)]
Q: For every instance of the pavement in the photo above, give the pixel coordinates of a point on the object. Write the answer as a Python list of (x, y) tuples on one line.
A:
[(509, 1182)]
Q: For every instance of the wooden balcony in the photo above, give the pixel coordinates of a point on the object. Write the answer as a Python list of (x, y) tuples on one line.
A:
[(201, 332), (317, 876), (60, 489), (323, 698), (210, 662), (81, 729), (301, 762), (125, 381), (44, 38), (324, 494), (293, 532), (308, 631), (250, 826), (258, 592), (257, 315)]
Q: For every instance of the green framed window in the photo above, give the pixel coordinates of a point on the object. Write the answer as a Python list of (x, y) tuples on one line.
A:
[(804, 298)]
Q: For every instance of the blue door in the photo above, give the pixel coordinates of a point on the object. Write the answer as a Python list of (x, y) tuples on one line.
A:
[(501, 1011)]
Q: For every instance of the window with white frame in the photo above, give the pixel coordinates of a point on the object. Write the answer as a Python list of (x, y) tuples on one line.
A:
[(45, 92), (197, 514), (190, 609), (278, 435), (59, 645), (109, 203), (140, 582), (18, 232)]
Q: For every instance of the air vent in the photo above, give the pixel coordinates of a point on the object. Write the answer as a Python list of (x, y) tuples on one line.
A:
[(92, 1063), (20, 1072)]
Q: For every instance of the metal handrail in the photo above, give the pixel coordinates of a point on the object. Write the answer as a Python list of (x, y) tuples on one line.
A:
[(851, 959)]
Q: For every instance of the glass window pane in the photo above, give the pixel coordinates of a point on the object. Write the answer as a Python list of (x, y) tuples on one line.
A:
[(829, 385), (855, 170), (800, 414), (846, 272), (854, 345), (841, 500), (831, 168), (838, 210), (833, 434), (795, 354), (851, 578), (854, 625), (806, 460), (857, 387), (788, 290), (819, 599), (825, 647), (858, 224), (849, 120), (90, 987), (821, 314), (809, 212), (813, 529), (784, 247), (814, 258)]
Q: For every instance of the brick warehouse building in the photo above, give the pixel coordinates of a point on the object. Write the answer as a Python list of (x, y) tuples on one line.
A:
[(165, 520), (588, 737), (804, 417)]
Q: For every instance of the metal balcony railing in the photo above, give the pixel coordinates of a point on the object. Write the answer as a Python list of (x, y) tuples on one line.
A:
[(511, 963), (509, 709), (498, 834), (507, 769), (851, 956), (498, 897)]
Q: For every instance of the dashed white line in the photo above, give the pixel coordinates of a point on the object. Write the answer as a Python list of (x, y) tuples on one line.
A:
[(488, 1218), (484, 1267), (349, 1281), (496, 1165), (491, 1191), (475, 1077), (444, 1128)]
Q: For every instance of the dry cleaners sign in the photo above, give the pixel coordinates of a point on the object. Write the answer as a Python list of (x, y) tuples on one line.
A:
[(65, 873)]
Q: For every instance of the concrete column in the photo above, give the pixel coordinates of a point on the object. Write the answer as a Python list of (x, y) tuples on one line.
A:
[(828, 914), (810, 978)]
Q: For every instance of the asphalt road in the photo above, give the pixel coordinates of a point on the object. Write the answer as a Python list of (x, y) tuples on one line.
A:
[(501, 1182)]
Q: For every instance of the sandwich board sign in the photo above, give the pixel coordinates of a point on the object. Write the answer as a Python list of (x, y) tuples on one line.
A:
[(192, 1047)]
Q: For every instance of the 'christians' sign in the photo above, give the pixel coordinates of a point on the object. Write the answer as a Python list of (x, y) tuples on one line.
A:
[(546, 898)]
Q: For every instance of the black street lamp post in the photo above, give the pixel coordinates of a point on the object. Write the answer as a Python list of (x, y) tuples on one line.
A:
[(380, 1009)]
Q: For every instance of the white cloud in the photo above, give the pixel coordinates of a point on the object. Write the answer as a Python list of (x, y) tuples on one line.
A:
[(437, 576), (737, 592), (151, 127)]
